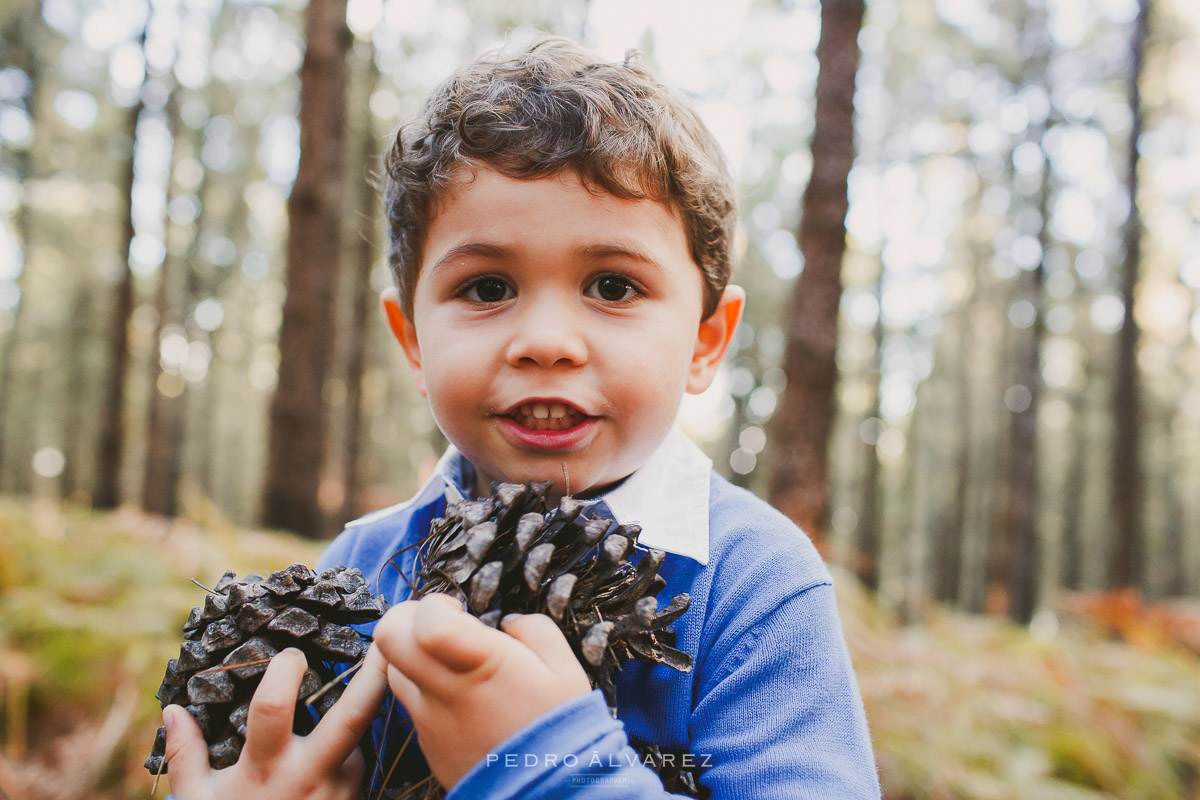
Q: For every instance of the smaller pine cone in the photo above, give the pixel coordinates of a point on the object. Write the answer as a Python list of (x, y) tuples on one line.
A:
[(229, 641)]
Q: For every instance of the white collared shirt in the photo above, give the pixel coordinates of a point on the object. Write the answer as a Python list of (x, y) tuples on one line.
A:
[(667, 496)]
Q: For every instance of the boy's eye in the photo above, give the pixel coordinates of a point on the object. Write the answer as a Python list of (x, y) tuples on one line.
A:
[(488, 290), (611, 289)]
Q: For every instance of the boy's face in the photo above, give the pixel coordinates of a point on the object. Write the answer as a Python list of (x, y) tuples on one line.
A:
[(556, 328)]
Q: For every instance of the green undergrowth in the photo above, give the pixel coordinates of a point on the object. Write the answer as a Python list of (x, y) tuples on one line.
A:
[(976, 708), (961, 707), (91, 607)]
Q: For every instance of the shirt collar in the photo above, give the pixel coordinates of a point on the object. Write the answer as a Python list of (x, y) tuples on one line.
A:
[(667, 496)]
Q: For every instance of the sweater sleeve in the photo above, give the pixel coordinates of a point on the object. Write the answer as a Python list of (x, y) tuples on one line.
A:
[(574, 750), (782, 716), (779, 717)]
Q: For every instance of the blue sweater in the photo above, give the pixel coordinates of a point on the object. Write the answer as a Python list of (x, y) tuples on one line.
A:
[(771, 708)]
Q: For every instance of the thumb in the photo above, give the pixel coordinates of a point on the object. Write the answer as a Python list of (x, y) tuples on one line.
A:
[(451, 635), (187, 753), (541, 635)]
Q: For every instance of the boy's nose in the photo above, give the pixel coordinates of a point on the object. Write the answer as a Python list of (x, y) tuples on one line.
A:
[(547, 334)]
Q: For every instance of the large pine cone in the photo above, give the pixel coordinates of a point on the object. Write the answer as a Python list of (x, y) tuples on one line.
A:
[(507, 554), (242, 624)]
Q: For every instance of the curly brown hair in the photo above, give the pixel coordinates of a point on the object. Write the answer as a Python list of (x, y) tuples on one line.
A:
[(555, 106)]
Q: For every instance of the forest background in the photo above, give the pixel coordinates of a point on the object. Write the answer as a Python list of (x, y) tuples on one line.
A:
[(970, 235)]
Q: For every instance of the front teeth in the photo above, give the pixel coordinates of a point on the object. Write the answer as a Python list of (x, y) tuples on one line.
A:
[(544, 411), (547, 416)]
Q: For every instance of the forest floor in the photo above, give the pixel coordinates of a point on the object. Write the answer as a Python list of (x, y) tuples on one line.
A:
[(1100, 699)]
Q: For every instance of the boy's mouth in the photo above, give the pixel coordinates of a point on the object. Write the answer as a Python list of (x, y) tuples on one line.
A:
[(547, 416)]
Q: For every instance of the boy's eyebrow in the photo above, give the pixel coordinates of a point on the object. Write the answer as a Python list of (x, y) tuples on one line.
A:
[(470, 249), (623, 249)]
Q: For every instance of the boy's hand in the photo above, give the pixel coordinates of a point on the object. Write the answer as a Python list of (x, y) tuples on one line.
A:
[(468, 687), (275, 764)]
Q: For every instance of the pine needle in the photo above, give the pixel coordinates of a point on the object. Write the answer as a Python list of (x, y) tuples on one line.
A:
[(228, 667), (161, 766), (312, 698), (205, 588), (395, 762)]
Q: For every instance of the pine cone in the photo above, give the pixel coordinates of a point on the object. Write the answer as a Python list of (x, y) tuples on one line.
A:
[(507, 554), (242, 624)]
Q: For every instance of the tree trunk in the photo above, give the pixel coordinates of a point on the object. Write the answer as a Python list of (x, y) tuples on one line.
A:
[(112, 422), (202, 423), (73, 445), (222, 474), (1174, 583), (22, 43), (985, 586), (1126, 567), (297, 423), (1073, 546), (160, 479), (366, 257), (919, 469), (869, 552), (799, 480), (1022, 512), (953, 527), (1022, 550)]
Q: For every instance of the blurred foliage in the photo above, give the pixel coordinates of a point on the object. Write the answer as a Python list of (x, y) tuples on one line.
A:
[(90, 610), (1091, 701), (974, 707)]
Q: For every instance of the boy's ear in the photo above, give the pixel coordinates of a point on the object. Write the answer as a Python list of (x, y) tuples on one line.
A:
[(405, 332), (713, 338)]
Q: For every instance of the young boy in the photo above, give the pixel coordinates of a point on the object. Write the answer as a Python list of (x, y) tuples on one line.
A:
[(560, 237)]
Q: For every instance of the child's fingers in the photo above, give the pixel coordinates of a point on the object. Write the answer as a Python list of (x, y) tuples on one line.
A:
[(187, 753), (269, 724), (393, 633), (343, 726), (407, 692), (435, 650), (394, 638), (539, 633), (451, 635)]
